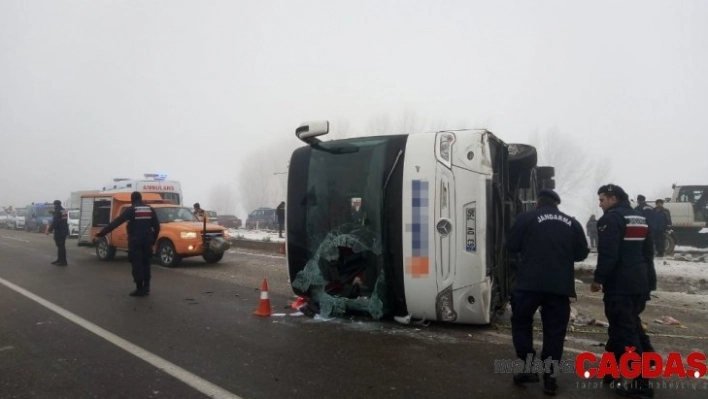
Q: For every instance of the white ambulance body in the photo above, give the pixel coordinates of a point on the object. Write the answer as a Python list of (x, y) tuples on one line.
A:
[(152, 183)]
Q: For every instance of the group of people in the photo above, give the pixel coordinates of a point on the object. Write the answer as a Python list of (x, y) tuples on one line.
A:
[(658, 220), (549, 242)]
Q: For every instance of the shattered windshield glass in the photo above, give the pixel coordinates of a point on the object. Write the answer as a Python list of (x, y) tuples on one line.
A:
[(343, 226)]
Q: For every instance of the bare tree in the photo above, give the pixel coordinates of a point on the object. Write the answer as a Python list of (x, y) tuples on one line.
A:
[(379, 125), (340, 129), (263, 178), (221, 199), (577, 175)]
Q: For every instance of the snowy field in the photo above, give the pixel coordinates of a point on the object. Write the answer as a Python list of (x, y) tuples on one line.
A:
[(256, 235), (688, 263)]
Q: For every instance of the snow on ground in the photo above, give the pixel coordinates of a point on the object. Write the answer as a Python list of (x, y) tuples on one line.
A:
[(694, 267), (256, 235), (688, 263)]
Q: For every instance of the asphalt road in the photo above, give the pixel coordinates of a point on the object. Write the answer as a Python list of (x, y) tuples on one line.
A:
[(73, 332)]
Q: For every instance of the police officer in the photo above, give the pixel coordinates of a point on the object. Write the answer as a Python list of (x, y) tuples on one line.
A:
[(650, 215), (60, 227), (625, 273), (143, 230), (550, 242)]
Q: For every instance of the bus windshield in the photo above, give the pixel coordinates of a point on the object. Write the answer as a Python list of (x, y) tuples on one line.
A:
[(337, 213)]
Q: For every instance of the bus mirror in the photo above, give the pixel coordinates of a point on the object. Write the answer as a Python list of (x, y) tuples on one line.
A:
[(308, 130)]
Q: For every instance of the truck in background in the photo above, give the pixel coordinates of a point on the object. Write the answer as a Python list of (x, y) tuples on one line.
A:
[(411, 225), (689, 216)]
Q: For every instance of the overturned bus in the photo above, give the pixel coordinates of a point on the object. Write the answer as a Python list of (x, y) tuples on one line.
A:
[(411, 226)]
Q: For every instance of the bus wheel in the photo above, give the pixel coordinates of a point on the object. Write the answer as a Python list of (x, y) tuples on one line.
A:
[(212, 257), (167, 255), (105, 251)]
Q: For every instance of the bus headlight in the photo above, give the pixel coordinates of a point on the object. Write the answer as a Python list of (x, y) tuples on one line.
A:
[(444, 306), (443, 147), (188, 235)]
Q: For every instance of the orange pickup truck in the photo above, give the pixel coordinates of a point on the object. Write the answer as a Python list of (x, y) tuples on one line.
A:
[(181, 234)]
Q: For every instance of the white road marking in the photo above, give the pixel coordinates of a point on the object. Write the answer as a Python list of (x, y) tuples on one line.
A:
[(16, 239), (198, 383)]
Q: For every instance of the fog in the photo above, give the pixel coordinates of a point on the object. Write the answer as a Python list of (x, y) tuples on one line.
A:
[(93, 90)]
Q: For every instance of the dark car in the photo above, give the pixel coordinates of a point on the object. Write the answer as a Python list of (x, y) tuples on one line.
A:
[(262, 218), (230, 221)]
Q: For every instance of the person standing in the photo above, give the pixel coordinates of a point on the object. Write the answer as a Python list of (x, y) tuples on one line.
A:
[(280, 212), (625, 273), (663, 225), (200, 213), (60, 228), (591, 228), (143, 230), (549, 242)]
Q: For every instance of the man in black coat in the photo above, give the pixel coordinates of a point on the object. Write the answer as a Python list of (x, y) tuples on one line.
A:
[(60, 228), (550, 242), (143, 230), (280, 212), (625, 273)]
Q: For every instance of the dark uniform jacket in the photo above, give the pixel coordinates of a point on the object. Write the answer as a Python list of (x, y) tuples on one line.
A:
[(550, 242), (60, 224), (625, 254), (280, 212), (143, 225), (663, 219), (648, 212)]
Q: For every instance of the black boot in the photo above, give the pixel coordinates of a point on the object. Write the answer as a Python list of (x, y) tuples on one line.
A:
[(139, 289), (523, 378), (637, 388), (550, 387), (146, 287)]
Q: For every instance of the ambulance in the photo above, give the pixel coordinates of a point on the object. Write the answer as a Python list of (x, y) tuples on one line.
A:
[(181, 234), (411, 226), (152, 183)]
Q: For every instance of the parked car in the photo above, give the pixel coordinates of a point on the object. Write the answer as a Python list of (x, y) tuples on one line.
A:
[(39, 216), (212, 217), (16, 219), (262, 218), (230, 221), (73, 221)]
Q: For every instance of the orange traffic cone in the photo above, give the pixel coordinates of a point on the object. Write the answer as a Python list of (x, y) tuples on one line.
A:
[(297, 303), (263, 308)]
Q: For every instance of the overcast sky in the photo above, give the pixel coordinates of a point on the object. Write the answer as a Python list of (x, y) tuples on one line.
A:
[(92, 90)]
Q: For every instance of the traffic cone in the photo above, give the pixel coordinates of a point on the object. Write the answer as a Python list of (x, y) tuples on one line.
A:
[(297, 303), (263, 308)]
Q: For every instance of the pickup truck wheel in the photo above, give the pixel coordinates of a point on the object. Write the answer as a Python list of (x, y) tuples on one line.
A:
[(105, 251), (211, 257), (167, 255)]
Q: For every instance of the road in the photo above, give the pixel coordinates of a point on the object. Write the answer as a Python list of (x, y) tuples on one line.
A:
[(73, 332)]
